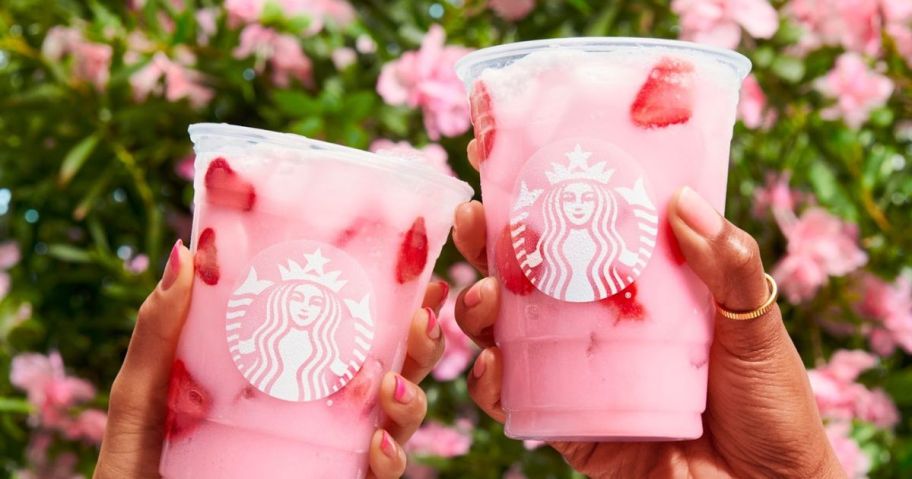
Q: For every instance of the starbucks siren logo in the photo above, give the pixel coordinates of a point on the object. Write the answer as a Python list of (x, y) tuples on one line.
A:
[(583, 224), (301, 333)]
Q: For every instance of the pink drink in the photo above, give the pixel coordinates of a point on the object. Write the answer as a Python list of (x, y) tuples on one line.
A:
[(605, 332), (310, 260)]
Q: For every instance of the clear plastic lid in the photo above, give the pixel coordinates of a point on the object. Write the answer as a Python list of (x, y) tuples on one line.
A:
[(200, 133), (469, 67)]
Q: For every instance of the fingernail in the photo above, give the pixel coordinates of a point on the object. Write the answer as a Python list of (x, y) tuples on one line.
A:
[(173, 267), (387, 446), (478, 369), (403, 392), (472, 297), (433, 328), (444, 291), (698, 214)]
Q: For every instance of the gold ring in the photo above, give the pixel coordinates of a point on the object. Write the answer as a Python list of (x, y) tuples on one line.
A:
[(763, 309)]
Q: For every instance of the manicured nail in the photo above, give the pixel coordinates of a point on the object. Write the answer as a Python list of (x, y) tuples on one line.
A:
[(403, 392), (433, 328), (444, 291), (472, 297), (173, 267), (387, 446), (698, 214), (478, 369)]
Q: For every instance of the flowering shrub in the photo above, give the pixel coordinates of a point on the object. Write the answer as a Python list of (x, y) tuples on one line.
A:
[(95, 166)]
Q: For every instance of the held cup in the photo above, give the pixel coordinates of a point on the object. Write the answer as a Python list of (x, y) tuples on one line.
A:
[(310, 260), (605, 331)]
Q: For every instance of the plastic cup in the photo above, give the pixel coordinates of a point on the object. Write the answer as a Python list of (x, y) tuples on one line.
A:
[(310, 260), (605, 331)]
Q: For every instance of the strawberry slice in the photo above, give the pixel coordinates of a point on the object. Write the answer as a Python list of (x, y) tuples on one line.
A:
[(666, 98), (188, 403), (359, 227), (206, 259), (361, 392), (674, 249), (626, 304), (413, 252), (224, 187), (483, 119), (508, 269)]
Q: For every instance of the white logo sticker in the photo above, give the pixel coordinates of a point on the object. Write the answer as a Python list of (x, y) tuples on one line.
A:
[(301, 323), (583, 223)]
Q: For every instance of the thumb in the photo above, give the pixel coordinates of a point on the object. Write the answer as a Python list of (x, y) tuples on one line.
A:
[(139, 395), (760, 407), (728, 260)]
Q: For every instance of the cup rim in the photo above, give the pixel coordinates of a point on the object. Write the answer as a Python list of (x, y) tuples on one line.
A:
[(385, 161), (464, 66)]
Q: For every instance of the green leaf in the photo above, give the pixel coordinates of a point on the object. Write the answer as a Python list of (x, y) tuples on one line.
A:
[(788, 68), (296, 104), (899, 385), (358, 105), (70, 254), (311, 126), (76, 157), (15, 405)]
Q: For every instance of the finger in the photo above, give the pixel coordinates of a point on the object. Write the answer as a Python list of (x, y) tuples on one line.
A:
[(404, 404), (469, 234), (387, 459), (728, 260), (476, 311), (485, 383), (138, 402), (474, 154), (425, 345), (435, 295)]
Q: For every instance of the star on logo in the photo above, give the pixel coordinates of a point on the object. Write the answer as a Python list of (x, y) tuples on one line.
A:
[(315, 261), (578, 158)]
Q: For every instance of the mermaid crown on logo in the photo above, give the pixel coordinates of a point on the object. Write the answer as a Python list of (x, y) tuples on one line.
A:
[(578, 169)]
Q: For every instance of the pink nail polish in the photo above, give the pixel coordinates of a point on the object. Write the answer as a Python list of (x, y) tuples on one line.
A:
[(172, 269), (387, 446), (445, 291), (698, 214), (403, 392), (480, 366), (433, 329), (472, 297)]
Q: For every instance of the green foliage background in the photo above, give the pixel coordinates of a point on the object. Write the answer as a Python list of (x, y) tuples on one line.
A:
[(90, 172)]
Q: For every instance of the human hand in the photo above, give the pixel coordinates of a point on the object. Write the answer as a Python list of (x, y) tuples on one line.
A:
[(138, 404), (761, 419)]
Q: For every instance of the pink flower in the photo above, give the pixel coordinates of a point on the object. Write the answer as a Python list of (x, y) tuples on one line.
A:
[(838, 396), (877, 407), (719, 22), (436, 439), (41, 466), (776, 196), (343, 57), (890, 306), (9, 255), (854, 462), (511, 9), (282, 51), (206, 19), (853, 24), (138, 264), (5, 284), (337, 11), (91, 61), (89, 425), (515, 472), (856, 88), (819, 245), (459, 349), (532, 444), (426, 78), (185, 167), (180, 82), (365, 44), (419, 471), (752, 106), (47, 386), (431, 154)]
